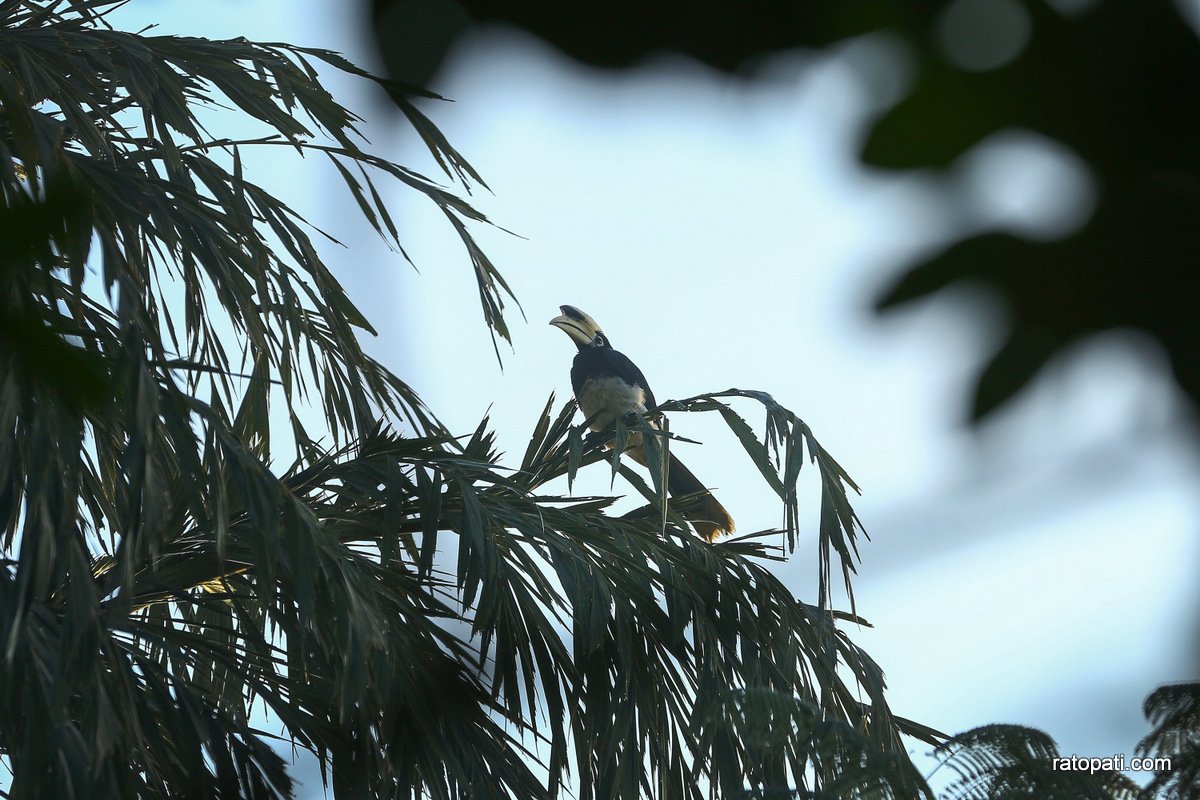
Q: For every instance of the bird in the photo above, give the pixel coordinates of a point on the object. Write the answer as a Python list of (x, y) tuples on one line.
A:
[(608, 386)]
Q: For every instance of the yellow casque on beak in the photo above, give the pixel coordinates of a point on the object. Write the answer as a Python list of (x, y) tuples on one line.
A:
[(579, 326)]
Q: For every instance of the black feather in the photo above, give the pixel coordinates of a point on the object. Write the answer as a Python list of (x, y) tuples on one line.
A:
[(604, 362)]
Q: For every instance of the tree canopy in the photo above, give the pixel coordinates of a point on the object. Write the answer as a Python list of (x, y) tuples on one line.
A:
[(167, 578)]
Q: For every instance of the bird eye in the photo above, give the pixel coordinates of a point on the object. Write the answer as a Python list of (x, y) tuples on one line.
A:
[(598, 341)]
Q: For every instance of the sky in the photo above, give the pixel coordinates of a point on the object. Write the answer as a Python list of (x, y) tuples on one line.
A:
[(1037, 571)]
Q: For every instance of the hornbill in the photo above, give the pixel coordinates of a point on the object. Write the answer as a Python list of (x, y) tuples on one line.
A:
[(609, 386)]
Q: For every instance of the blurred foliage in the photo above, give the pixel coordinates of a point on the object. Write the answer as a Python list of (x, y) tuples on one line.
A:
[(423, 619), (1116, 83)]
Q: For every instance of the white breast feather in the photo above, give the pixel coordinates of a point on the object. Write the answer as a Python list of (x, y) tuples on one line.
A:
[(610, 398)]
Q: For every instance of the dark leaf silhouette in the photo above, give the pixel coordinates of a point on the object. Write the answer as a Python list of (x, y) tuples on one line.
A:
[(1007, 762), (1174, 711)]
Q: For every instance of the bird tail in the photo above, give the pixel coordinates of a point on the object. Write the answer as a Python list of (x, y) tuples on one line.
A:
[(708, 516)]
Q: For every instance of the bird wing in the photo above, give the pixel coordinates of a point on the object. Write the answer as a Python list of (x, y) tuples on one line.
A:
[(592, 364)]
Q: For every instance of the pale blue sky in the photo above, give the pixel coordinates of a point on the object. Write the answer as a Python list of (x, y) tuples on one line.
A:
[(1040, 571)]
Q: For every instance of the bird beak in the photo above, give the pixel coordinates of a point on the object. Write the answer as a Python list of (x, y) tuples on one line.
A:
[(574, 323)]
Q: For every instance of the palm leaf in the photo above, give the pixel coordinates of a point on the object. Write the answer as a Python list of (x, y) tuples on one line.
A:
[(1174, 711), (998, 762)]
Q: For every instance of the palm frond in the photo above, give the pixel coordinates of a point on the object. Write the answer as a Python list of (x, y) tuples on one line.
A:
[(1003, 762), (164, 577), (1174, 711), (779, 457)]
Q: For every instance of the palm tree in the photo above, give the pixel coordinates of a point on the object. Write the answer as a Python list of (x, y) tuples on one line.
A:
[(163, 584)]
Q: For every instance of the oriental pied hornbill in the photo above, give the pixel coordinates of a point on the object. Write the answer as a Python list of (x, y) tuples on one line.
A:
[(608, 386)]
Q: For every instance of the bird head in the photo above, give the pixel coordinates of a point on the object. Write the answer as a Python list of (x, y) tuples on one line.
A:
[(582, 329)]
